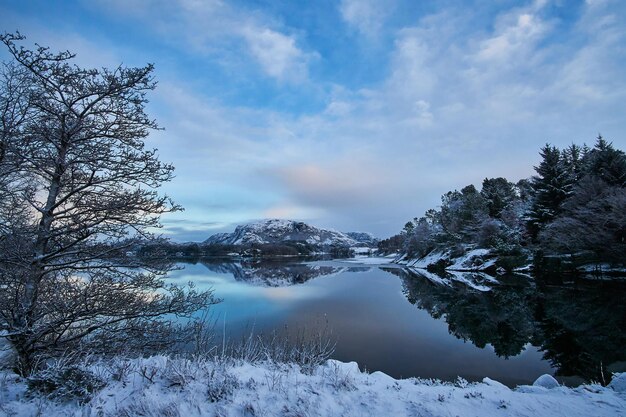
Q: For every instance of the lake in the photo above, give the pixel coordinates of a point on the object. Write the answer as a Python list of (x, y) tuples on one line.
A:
[(411, 324)]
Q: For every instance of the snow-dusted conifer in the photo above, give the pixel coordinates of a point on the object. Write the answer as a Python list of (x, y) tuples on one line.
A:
[(551, 186)]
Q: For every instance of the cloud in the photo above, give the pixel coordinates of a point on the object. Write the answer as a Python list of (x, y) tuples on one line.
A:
[(344, 182), (366, 16), (457, 105), (513, 39), (278, 54), (221, 30), (462, 94)]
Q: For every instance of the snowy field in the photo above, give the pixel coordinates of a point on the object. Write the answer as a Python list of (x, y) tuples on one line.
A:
[(160, 386)]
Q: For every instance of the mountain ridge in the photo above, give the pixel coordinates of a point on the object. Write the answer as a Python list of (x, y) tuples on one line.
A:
[(277, 231)]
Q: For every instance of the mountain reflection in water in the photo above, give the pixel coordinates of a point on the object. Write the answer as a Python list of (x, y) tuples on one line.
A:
[(579, 329)]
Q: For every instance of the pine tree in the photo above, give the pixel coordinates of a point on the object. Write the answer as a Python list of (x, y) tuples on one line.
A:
[(573, 161), (606, 162), (499, 194), (552, 185)]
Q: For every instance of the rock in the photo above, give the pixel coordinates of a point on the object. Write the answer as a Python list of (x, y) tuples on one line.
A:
[(546, 381), (618, 383)]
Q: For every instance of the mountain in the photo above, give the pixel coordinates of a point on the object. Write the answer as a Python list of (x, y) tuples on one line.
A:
[(364, 238), (278, 231)]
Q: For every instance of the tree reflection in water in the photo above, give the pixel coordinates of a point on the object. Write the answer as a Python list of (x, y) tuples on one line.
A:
[(581, 328)]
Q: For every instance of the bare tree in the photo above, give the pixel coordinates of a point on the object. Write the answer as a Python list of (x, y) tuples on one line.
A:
[(82, 193)]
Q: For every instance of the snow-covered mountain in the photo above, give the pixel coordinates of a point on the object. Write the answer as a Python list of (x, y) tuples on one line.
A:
[(278, 231), (364, 238)]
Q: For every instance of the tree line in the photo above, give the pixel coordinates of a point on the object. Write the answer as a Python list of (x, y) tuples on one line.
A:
[(575, 205)]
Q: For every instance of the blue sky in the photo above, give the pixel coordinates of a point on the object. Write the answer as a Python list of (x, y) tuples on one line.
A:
[(355, 115)]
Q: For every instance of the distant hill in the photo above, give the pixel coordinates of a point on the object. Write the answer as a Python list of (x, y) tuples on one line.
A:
[(277, 231), (267, 238), (364, 238)]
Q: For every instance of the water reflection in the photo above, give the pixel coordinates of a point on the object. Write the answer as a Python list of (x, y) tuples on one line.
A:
[(275, 272), (580, 329), (465, 324)]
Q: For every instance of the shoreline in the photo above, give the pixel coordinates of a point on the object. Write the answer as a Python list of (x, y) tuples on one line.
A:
[(227, 387)]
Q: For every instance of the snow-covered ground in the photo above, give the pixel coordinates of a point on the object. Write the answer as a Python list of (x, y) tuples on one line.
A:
[(472, 260), (160, 386)]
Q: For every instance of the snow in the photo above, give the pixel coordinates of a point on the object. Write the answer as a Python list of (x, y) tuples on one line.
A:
[(279, 230), (473, 261), (178, 387), (618, 384), (432, 258), (546, 381)]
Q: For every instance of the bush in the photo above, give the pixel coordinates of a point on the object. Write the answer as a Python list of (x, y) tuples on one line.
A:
[(66, 383), (221, 385)]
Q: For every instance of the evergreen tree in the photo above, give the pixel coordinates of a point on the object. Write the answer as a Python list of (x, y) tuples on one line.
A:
[(498, 194), (552, 185), (606, 162), (524, 190), (461, 212), (593, 219), (573, 160)]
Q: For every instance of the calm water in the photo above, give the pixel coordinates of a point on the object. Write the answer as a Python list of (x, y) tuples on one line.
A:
[(405, 324)]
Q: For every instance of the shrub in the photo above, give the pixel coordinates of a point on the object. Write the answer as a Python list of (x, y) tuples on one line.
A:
[(66, 383), (221, 385)]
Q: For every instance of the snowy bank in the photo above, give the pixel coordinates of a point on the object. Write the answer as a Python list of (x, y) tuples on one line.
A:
[(161, 386), (473, 260)]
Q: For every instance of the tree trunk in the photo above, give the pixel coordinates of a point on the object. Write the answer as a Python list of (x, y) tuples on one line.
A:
[(24, 321)]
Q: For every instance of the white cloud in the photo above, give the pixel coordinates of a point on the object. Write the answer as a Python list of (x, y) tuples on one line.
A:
[(514, 39), (221, 30), (456, 107), (366, 16), (277, 54), (458, 104)]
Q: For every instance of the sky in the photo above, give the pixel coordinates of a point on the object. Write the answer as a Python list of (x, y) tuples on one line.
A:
[(351, 115)]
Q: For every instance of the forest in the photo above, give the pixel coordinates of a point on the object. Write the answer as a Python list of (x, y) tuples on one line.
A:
[(570, 213)]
